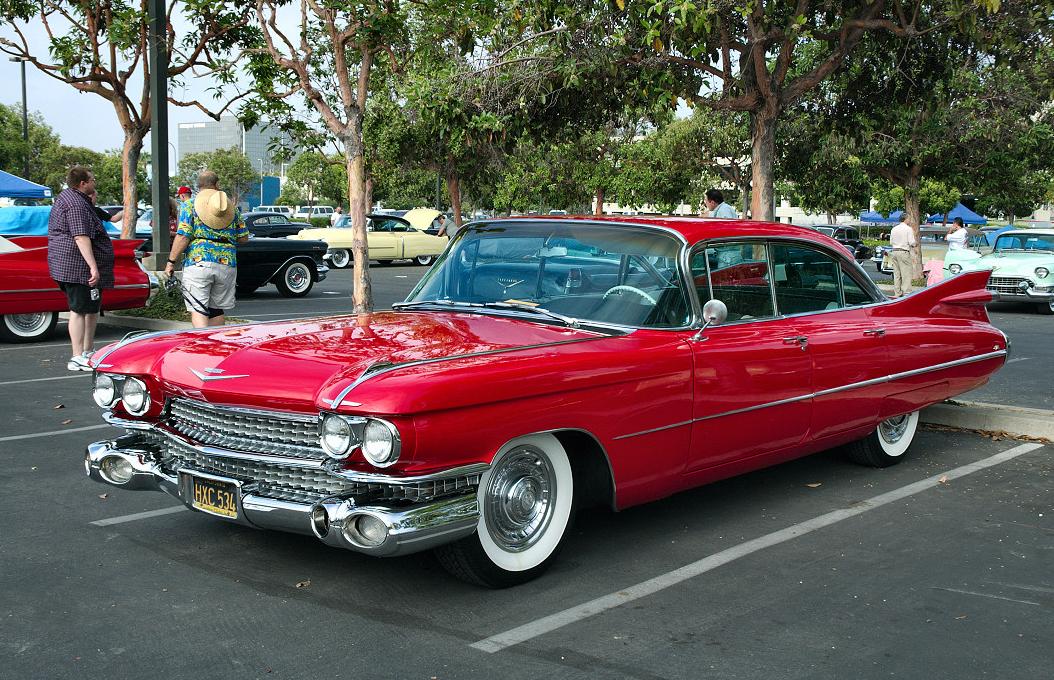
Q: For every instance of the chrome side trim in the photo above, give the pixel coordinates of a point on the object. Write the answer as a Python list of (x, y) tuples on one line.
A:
[(31, 290), (129, 286), (832, 390)]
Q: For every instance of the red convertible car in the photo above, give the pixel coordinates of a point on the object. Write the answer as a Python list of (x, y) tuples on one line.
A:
[(30, 301), (542, 364)]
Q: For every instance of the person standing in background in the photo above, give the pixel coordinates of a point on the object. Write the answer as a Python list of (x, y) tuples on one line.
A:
[(80, 260), (957, 235), (716, 206), (901, 240), (335, 217)]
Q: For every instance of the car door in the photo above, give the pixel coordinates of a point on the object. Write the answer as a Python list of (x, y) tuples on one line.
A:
[(384, 244), (753, 374), (824, 297)]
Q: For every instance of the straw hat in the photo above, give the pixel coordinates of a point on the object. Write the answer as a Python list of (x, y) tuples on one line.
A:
[(214, 209)]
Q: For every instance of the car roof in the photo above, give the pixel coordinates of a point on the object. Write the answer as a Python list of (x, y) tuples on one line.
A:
[(264, 213), (1033, 232), (692, 229)]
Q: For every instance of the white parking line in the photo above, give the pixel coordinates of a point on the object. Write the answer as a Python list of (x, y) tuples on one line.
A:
[(32, 346), (80, 374), (1019, 359), (53, 432), (533, 629), (139, 515)]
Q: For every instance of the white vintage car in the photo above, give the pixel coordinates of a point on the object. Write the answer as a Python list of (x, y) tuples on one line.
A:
[(1021, 263), (390, 238)]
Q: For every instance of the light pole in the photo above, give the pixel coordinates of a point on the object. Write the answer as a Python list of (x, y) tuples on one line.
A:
[(25, 115)]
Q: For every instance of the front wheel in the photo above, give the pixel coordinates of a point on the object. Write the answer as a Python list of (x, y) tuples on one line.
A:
[(27, 327), (526, 501), (339, 258), (295, 280), (887, 444), (1045, 307), (425, 260)]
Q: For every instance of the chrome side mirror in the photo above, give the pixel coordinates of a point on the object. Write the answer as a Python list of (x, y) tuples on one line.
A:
[(714, 314)]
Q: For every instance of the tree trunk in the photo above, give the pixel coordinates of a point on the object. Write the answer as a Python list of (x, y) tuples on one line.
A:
[(362, 291), (453, 187), (912, 214), (369, 194), (599, 209), (130, 152), (762, 154)]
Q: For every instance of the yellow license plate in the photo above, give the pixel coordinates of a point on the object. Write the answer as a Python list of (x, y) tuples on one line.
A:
[(219, 498)]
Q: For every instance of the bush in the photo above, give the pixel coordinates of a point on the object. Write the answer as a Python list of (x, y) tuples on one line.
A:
[(319, 222), (165, 303)]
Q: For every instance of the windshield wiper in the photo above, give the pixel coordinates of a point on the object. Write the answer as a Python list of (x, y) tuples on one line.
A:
[(433, 303), (566, 320)]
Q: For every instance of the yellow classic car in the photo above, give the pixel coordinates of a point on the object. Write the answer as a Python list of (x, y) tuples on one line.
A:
[(390, 238)]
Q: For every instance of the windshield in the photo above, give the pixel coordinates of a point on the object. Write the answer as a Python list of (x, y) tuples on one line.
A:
[(1020, 241), (609, 274), (826, 231)]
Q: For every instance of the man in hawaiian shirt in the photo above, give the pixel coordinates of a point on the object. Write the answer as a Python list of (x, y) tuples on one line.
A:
[(209, 229)]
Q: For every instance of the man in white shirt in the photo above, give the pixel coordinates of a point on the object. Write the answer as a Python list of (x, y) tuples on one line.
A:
[(335, 216), (715, 204), (957, 235), (902, 240)]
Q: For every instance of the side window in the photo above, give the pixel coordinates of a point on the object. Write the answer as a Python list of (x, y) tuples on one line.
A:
[(807, 280), (853, 294), (739, 277)]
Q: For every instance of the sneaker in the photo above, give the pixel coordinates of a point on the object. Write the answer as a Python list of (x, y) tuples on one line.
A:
[(78, 363)]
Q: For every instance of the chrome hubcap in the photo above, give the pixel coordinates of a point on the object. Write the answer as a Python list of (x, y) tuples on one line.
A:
[(27, 324), (892, 430), (518, 501), (297, 277), (340, 258)]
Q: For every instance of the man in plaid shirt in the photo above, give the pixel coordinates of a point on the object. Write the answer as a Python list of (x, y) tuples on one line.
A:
[(80, 260)]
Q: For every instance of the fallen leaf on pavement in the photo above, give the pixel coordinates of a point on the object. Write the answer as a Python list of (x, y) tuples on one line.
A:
[(58, 406), (814, 485), (303, 584), (943, 479), (104, 496), (67, 421)]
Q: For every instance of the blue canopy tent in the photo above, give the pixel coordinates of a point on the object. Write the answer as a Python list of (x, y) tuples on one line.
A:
[(32, 220), (16, 187), (879, 218), (968, 216)]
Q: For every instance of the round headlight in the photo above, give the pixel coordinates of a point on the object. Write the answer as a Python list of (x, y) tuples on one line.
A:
[(336, 436), (135, 396), (116, 470), (380, 443), (1042, 272), (955, 268), (104, 391)]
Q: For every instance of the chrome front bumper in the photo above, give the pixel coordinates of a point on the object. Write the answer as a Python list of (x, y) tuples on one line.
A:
[(1024, 295), (409, 528)]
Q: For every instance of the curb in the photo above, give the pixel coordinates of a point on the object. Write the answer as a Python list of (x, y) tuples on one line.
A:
[(975, 415)]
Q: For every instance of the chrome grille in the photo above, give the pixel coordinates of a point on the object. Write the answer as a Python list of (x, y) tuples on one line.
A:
[(276, 433), (300, 483), (1005, 284)]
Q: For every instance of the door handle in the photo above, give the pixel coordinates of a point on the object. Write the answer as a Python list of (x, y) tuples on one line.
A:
[(876, 332), (799, 340)]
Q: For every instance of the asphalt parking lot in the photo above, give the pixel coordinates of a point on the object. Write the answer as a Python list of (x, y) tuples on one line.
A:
[(939, 567)]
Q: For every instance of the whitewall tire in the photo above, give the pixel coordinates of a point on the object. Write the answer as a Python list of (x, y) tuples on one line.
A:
[(888, 443), (526, 502), (27, 327), (339, 258)]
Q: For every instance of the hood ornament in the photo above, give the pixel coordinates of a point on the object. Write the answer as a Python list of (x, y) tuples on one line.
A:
[(212, 374)]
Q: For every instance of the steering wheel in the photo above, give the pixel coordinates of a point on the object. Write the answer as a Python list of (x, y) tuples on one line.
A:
[(630, 289)]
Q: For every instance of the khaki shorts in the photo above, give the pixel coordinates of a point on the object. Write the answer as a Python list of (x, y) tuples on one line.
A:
[(210, 285)]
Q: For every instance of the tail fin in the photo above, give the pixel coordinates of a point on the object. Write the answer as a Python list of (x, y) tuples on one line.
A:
[(962, 296)]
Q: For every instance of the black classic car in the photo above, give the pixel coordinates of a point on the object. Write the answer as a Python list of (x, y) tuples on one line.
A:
[(272, 225), (292, 266), (848, 237)]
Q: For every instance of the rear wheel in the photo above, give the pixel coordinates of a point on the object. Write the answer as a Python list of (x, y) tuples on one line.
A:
[(27, 327), (425, 260), (339, 258), (887, 444), (386, 263), (526, 501), (295, 280)]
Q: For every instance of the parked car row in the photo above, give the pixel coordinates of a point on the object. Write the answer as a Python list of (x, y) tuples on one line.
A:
[(389, 238), (1021, 265)]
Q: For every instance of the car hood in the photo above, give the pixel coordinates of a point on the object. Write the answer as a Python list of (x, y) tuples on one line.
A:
[(304, 365), (1013, 264)]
